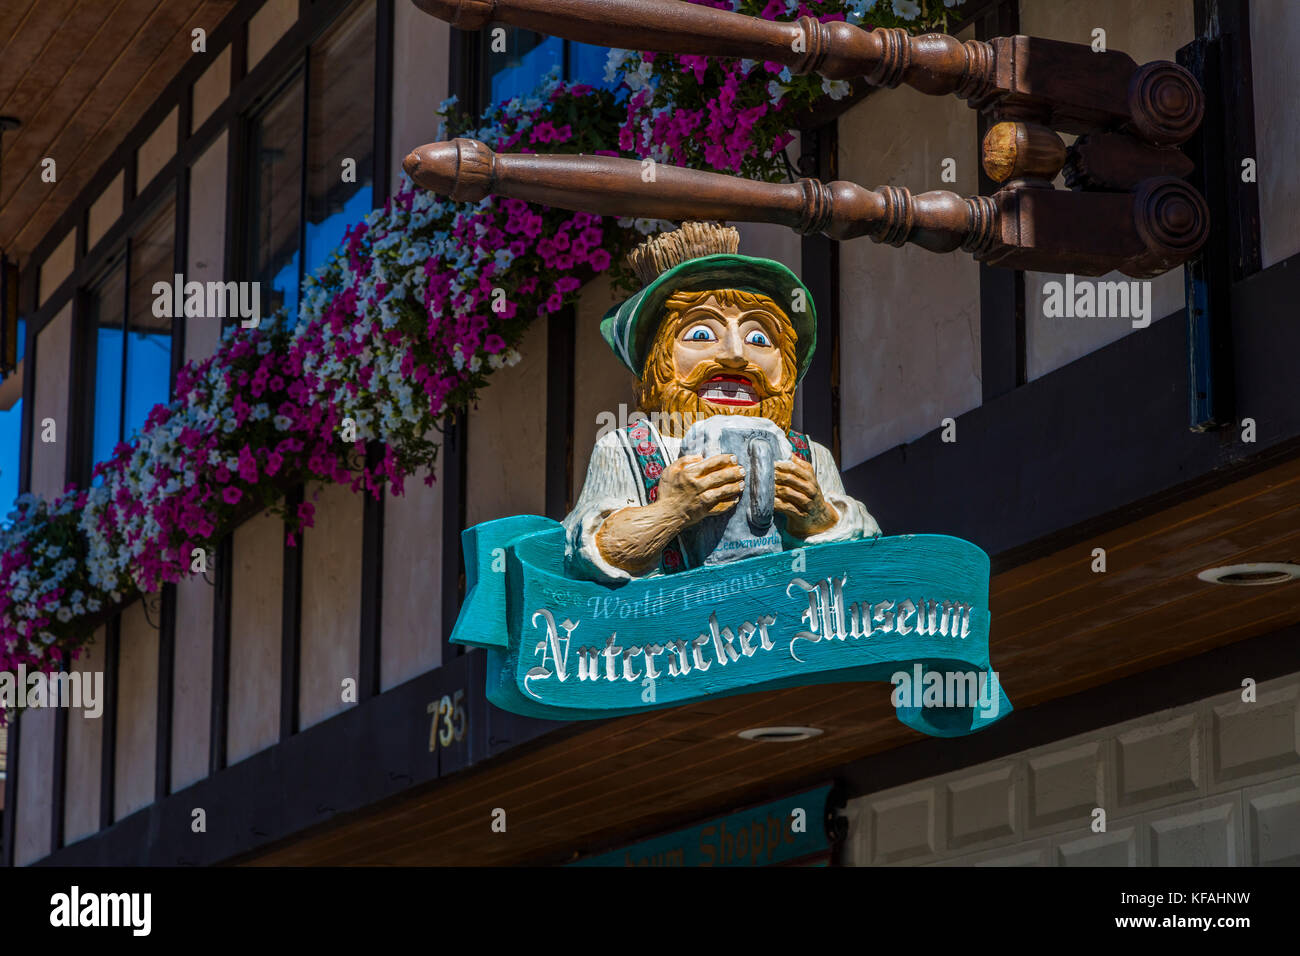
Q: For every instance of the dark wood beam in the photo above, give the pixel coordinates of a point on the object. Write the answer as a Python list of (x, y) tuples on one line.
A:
[(108, 727), (383, 115), (10, 814), (1003, 341), (454, 455), (166, 691), (291, 622), (372, 586), (223, 569), (820, 270), (560, 373)]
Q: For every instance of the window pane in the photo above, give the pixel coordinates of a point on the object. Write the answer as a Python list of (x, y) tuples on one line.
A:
[(149, 338), (587, 64), (107, 312), (11, 427), (340, 128), (527, 58), (276, 199)]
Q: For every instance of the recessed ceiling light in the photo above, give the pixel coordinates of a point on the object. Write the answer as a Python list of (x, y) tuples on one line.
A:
[(779, 735), (1251, 575)]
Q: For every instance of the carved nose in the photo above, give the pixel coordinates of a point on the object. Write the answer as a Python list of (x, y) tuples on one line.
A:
[(731, 351)]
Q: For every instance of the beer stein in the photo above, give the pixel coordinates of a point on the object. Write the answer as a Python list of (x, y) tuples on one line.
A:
[(748, 528)]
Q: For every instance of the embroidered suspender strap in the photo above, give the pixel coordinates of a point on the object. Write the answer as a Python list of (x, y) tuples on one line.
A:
[(802, 447), (648, 457)]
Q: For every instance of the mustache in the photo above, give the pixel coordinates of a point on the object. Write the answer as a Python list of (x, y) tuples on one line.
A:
[(709, 369)]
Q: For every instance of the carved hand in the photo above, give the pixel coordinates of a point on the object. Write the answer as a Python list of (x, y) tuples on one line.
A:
[(690, 489), (799, 497)]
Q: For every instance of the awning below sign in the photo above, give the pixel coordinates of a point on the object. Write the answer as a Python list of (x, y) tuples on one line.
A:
[(784, 831)]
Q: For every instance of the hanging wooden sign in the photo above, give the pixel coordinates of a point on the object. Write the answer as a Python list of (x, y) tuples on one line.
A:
[(714, 550), (911, 610)]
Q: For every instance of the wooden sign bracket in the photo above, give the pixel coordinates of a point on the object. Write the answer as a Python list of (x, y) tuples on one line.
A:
[(1127, 207)]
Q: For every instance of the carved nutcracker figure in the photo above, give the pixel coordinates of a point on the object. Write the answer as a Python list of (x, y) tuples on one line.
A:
[(715, 339), (672, 578)]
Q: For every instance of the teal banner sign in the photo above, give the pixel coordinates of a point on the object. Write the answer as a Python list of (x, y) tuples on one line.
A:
[(910, 610), (779, 832)]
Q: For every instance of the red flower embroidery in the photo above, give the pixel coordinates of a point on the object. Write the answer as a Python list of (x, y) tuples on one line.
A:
[(645, 448), (671, 559), (653, 494), (653, 469), (639, 433)]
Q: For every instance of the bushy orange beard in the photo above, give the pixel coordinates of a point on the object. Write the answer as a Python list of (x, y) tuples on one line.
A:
[(674, 403)]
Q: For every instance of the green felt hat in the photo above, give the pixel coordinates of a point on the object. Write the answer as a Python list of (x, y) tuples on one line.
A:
[(630, 326)]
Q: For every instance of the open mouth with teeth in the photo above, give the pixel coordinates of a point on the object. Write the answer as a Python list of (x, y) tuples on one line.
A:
[(728, 390)]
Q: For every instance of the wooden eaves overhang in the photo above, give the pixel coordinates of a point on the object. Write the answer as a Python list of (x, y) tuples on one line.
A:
[(79, 75)]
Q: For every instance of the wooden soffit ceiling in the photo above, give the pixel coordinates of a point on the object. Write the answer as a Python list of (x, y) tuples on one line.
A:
[(1058, 628), (79, 74)]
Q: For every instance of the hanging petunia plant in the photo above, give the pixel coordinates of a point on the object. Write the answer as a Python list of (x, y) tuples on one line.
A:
[(404, 323)]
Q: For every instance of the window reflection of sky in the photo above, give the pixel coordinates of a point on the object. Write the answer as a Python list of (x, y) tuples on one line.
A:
[(326, 236), (148, 375), (11, 428), (148, 370), (520, 75), (285, 282), (108, 391), (322, 239)]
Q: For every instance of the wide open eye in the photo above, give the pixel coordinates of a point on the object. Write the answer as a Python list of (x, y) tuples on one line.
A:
[(699, 333), (757, 337)]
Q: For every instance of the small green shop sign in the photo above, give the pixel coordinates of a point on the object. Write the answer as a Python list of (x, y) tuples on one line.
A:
[(784, 831)]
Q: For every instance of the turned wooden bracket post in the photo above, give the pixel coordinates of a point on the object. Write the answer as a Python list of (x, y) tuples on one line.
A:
[(1068, 85), (467, 171), (1127, 207), (1113, 232)]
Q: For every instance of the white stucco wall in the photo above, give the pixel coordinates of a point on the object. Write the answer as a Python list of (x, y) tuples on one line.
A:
[(909, 319), (35, 781), (257, 587), (1152, 30), (53, 358), (330, 636), (85, 755), (207, 242), (135, 750), (421, 74), (192, 680), (411, 638), (507, 437), (601, 382), (1275, 60)]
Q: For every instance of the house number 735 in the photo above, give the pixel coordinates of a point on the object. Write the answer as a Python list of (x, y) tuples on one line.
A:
[(451, 712)]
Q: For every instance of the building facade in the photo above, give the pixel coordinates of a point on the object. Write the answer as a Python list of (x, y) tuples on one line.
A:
[(953, 400)]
